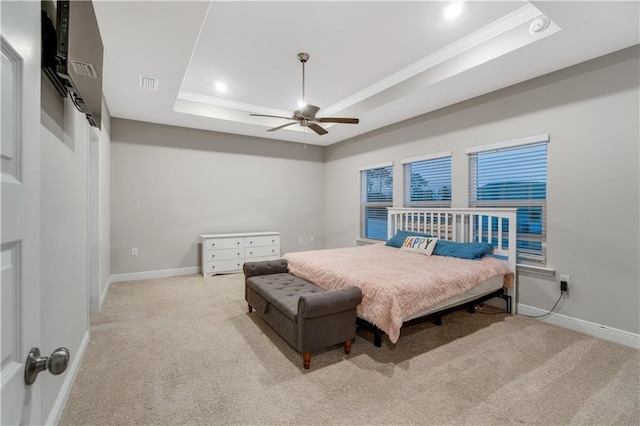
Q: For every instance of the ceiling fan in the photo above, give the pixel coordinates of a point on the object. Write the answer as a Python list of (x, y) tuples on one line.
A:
[(306, 117)]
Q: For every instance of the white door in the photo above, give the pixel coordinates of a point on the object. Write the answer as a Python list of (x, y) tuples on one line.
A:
[(20, 207)]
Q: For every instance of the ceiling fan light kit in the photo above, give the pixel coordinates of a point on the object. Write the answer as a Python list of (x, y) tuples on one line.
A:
[(306, 116)]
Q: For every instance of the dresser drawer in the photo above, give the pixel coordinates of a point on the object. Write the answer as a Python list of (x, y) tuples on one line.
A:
[(224, 266), (224, 243), (228, 254), (263, 240), (261, 259), (250, 253)]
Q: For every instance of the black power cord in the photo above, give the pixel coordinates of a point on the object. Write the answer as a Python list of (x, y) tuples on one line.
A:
[(479, 307), (548, 313)]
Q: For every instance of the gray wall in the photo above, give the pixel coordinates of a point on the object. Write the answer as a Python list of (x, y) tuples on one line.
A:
[(171, 184), (65, 138), (591, 113)]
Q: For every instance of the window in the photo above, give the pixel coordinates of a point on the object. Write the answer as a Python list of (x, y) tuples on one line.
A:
[(514, 174), (376, 183), (427, 181)]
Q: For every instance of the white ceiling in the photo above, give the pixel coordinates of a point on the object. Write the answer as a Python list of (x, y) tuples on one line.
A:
[(381, 62)]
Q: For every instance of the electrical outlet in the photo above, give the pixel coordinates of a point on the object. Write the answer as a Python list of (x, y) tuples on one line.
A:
[(565, 280), (312, 239), (301, 240), (134, 251)]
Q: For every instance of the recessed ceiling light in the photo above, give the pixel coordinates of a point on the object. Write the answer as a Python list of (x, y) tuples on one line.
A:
[(221, 87), (453, 10)]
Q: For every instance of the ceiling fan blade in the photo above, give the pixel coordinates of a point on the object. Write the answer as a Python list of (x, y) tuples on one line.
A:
[(280, 127), (309, 111), (319, 130), (338, 120), (272, 116)]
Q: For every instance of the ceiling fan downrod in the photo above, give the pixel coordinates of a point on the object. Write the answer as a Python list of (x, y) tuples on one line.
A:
[(303, 57)]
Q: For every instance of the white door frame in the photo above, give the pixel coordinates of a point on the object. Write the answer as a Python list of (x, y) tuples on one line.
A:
[(93, 221)]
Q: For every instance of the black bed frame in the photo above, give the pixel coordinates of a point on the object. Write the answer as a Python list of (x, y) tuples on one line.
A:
[(436, 317)]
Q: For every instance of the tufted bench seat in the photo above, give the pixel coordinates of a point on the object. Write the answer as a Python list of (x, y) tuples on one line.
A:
[(306, 316)]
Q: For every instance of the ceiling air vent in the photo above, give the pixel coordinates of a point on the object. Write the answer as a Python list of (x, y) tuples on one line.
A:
[(148, 82)]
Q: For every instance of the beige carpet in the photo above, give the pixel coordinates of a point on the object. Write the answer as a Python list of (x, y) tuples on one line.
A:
[(185, 351)]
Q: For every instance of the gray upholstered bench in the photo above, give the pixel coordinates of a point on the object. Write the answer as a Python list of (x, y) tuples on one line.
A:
[(306, 316)]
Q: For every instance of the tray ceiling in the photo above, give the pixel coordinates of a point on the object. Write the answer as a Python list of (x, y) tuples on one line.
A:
[(382, 62)]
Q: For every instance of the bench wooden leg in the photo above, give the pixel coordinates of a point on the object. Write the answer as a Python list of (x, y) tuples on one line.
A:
[(250, 308), (306, 360), (347, 347)]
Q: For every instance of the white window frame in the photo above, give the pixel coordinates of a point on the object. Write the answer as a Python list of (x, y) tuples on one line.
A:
[(526, 256), (364, 204)]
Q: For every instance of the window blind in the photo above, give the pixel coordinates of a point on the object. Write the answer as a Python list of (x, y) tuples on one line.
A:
[(376, 195), (515, 177), (427, 182)]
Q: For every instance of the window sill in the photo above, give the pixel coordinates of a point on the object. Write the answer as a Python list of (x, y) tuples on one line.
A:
[(365, 241), (536, 270)]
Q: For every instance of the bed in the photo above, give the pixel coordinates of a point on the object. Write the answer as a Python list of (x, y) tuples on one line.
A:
[(402, 287)]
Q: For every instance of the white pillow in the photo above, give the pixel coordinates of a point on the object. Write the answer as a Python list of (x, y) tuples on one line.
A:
[(422, 245)]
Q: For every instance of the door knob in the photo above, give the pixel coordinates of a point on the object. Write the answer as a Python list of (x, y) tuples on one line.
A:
[(57, 363)]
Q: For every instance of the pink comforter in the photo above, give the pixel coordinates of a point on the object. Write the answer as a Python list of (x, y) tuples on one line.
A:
[(395, 284)]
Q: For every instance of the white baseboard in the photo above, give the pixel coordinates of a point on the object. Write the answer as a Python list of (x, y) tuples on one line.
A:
[(70, 378), (154, 274), (593, 329), (103, 296)]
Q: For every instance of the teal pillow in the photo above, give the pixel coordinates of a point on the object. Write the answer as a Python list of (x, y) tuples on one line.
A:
[(461, 250), (398, 239)]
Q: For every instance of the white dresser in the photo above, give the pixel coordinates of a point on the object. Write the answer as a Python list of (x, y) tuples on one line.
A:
[(226, 253)]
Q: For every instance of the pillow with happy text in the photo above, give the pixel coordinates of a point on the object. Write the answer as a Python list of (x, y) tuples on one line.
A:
[(398, 239), (421, 245)]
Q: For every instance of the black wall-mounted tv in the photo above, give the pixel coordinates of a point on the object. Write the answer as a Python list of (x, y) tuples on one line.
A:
[(72, 54)]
